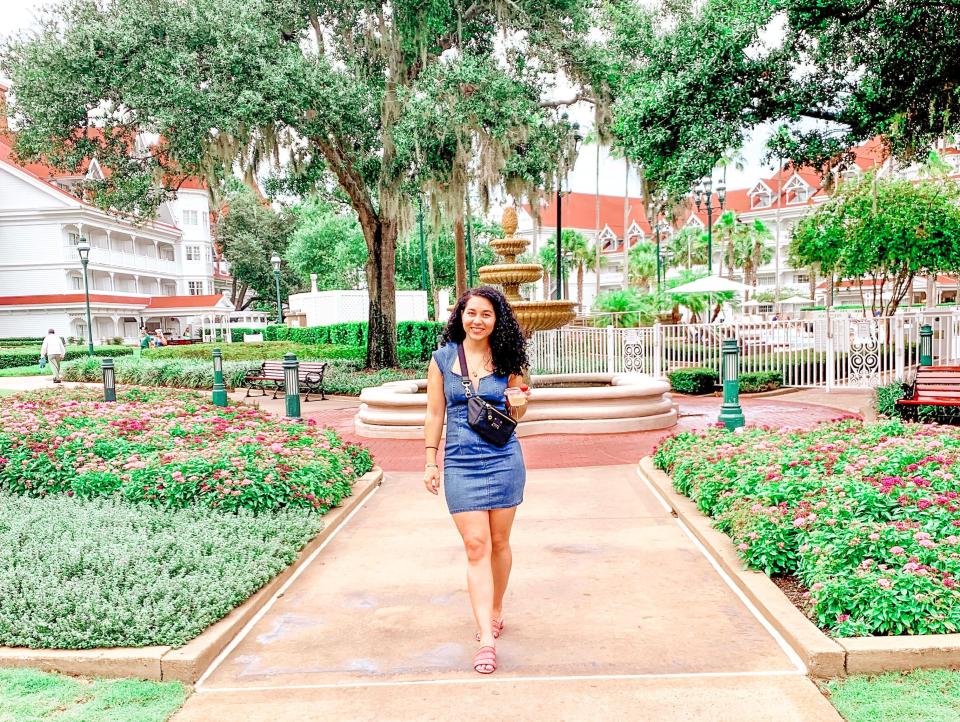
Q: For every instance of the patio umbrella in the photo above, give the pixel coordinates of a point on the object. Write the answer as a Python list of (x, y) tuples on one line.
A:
[(751, 302), (711, 284), (796, 300)]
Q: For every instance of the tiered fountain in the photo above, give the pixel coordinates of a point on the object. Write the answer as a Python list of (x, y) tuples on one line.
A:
[(600, 403)]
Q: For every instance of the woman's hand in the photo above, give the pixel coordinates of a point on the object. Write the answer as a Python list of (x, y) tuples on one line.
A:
[(431, 478)]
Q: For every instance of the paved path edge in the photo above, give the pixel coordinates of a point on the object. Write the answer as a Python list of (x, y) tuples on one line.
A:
[(189, 662), (822, 657)]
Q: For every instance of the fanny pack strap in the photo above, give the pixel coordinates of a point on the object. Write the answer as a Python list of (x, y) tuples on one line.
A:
[(464, 372)]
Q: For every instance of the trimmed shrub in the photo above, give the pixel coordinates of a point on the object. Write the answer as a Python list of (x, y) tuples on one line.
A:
[(28, 356), (757, 381), (20, 341), (693, 380), (885, 399)]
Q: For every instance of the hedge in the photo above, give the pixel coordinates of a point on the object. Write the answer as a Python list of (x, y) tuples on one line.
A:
[(420, 335), (758, 381), (275, 350), (693, 380), (20, 341), (342, 376), (10, 358)]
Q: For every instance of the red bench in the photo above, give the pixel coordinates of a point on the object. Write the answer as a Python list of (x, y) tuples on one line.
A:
[(934, 386)]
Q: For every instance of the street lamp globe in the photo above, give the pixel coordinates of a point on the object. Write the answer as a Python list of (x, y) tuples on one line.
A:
[(276, 261), (83, 248)]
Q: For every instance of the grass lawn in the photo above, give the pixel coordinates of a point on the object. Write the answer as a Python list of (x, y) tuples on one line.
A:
[(27, 695), (920, 696), (31, 370)]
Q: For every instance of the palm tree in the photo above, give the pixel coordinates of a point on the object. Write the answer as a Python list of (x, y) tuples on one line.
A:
[(578, 250), (687, 247), (750, 249), (642, 264)]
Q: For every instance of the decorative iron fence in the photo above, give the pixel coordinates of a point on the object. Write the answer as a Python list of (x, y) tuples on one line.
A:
[(822, 352)]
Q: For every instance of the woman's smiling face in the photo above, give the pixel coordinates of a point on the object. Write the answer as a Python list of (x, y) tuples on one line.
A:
[(478, 318)]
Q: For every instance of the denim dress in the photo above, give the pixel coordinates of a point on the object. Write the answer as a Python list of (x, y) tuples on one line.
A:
[(477, 475)]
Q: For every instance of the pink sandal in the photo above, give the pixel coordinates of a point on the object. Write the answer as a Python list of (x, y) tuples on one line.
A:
[(485, 657), (497, 626)]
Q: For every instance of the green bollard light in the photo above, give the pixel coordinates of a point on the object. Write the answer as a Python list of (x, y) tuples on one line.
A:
[(291, 385), (219, 389), (109, 380), (731, 415), (926, 345)]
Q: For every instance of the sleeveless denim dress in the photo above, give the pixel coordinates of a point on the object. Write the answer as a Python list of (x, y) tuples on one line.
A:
[(477, 476)]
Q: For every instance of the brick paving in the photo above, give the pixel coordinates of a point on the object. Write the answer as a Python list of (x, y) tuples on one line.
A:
[(551, 451)]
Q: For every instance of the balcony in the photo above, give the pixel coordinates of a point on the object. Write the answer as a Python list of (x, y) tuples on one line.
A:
[(123, 261)]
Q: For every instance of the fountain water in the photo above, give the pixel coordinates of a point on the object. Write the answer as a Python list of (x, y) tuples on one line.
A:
[(559, 403)]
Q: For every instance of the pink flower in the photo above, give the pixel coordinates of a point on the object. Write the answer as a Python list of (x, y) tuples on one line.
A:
[(884, 583), (842, 618), (873, 537), (896, 550)]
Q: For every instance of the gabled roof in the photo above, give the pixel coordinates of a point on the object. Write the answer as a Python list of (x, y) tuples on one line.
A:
[(579, 210)]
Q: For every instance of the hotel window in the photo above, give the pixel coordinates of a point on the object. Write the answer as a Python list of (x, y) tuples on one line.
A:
[(191, 218), (74, 238), (193, 253), (77, 283), (195, 288), (803, 278)]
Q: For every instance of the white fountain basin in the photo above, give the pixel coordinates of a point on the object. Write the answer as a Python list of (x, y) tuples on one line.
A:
[(587, 404)]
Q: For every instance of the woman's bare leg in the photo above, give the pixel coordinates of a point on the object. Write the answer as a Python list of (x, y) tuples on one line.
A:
[(501, 523), (474, 527)]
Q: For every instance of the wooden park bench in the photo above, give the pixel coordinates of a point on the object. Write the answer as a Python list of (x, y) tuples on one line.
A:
[(269, 377), (934, 386)]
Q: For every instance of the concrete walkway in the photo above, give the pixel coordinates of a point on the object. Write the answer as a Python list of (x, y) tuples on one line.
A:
[(613, 613)]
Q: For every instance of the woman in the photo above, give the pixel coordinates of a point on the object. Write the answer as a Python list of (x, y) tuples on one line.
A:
[(483, 483)]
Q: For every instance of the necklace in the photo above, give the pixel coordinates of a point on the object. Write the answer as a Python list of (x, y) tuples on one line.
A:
[(484, 364)]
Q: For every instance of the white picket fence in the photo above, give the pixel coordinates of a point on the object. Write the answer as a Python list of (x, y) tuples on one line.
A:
[(827, 353)]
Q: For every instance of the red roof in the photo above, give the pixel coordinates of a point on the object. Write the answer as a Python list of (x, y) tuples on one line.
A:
[(579, 210), (56, 299), (147, 302)]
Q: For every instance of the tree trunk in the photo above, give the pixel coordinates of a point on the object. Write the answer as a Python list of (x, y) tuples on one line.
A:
[(580, 286), (382, 287), (431, 286), (596, 238), (812, 283), (546, 283), (460, 257)]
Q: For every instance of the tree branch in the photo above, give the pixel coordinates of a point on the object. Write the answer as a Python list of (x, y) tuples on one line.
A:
[(570, 101)]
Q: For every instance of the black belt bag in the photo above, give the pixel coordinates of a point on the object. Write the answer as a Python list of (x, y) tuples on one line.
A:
[(488, 421)]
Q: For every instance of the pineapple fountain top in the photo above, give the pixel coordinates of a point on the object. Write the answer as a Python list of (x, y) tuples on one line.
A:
[(532, 315)]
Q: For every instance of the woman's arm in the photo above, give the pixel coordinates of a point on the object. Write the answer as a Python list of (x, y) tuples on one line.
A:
[(516, 381), (433, 425)]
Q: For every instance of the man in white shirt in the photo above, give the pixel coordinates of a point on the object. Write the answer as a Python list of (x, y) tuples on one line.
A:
[(54, 351)]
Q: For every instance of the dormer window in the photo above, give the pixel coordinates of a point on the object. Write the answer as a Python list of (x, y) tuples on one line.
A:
[(634, 234), (797, 191), (608, 239), (760, 196)]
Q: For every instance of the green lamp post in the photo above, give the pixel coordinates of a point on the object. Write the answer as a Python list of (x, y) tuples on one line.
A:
[(83, 248), (731, 415), (291, 385), (109, 380), (219, 389), (926, 345)]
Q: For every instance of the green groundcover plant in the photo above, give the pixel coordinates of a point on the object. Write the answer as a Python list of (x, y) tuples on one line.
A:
[(26, 356), (866, 516), (171, 449), (78, 573)]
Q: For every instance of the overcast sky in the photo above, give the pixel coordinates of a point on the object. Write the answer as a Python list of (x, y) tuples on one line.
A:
[(20, 14)]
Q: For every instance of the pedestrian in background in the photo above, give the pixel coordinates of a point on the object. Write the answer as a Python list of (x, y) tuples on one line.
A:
[(53, 351)]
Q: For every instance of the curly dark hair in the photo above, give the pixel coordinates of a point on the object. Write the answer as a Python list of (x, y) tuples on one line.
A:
[(506, 342)]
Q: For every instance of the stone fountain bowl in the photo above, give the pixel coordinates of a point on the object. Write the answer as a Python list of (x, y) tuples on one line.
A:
[(509, 246), (543, 315), (510, 273), (559, 404)]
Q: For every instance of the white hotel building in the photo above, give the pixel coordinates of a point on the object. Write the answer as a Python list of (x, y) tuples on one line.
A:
[(162, 274)]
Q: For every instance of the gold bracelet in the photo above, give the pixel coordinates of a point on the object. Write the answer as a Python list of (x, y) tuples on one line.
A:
[(431, 465)]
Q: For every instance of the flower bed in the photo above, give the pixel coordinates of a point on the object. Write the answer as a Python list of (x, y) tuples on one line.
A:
[(171, 449), (866, 516)]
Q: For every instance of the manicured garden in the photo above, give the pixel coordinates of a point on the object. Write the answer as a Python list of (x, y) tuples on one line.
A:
[(864, 519), (144, 521)]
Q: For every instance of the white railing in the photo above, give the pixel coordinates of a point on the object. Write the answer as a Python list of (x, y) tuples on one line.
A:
[(821, 352)]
